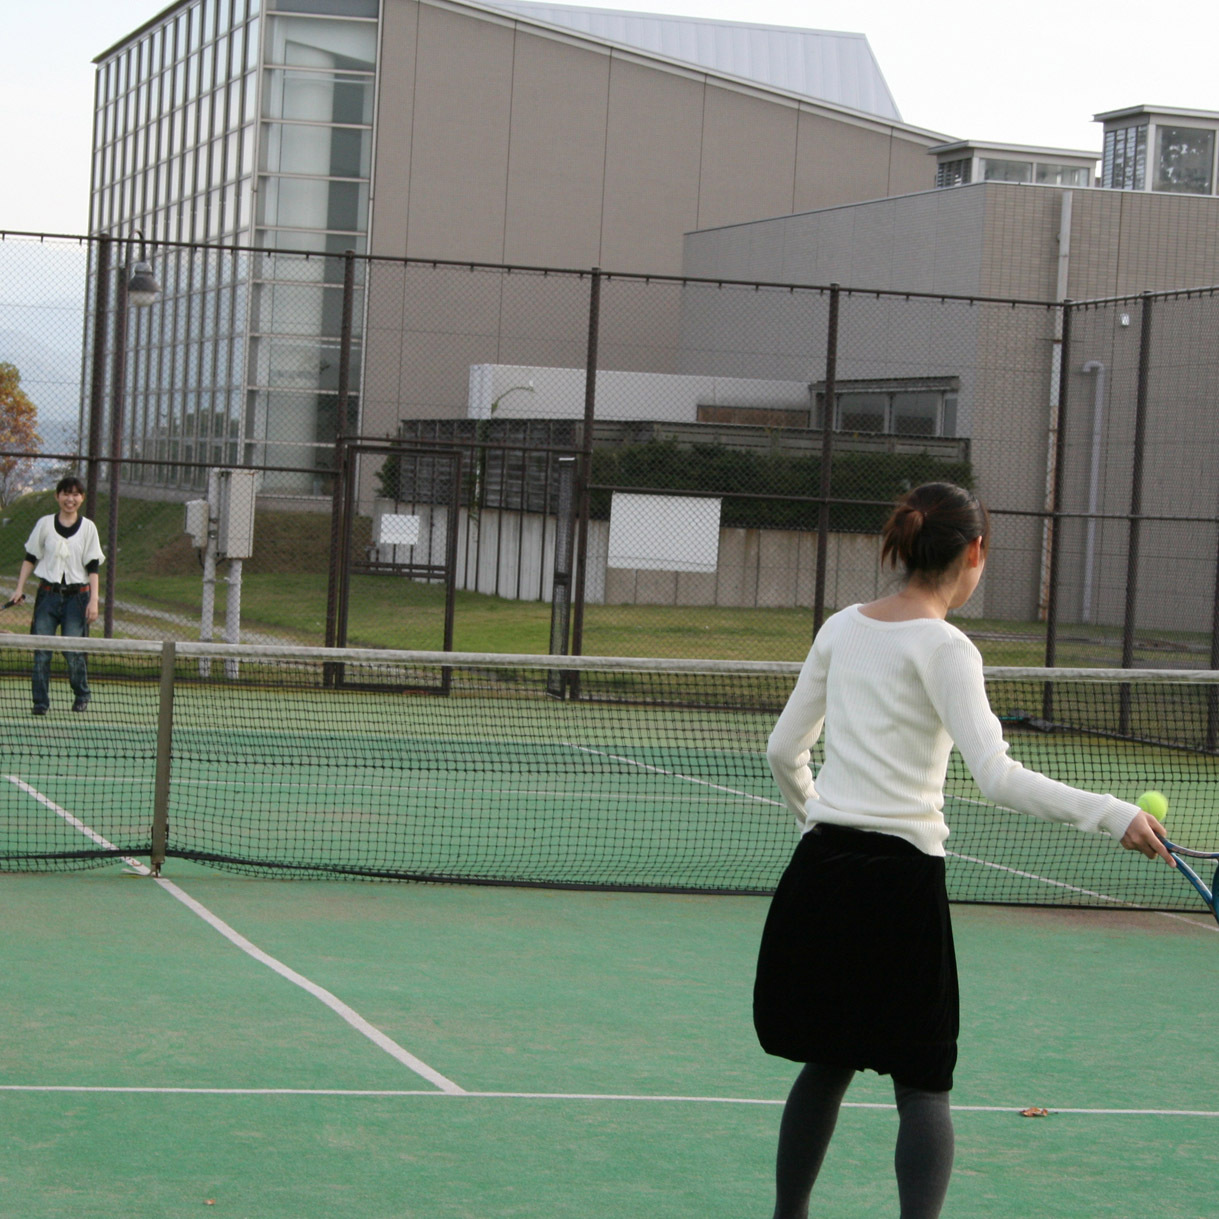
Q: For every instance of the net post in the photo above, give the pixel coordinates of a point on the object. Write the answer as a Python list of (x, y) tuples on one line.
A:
[(165, 738), (827, 451)]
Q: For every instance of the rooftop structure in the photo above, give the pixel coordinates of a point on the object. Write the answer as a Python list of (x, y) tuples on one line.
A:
[(1160, 148), (823, 64), (965, 161)]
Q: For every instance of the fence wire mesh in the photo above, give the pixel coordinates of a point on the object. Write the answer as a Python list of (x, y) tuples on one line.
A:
[(718, 512)]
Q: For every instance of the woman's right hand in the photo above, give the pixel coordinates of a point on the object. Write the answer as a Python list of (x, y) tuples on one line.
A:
[(1144, 835)]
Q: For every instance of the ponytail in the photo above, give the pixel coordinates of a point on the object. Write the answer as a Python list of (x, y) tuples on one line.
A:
[(930, 527)]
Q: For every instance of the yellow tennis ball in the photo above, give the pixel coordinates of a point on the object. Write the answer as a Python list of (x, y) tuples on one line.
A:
[(1154, 803)]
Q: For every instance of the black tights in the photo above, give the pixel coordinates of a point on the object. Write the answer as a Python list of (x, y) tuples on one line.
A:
[(923, 1158)]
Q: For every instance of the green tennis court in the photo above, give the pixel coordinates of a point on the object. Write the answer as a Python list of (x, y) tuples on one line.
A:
[(218, 1038), (591, 1053)]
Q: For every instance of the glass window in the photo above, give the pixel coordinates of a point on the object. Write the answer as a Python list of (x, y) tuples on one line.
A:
[(916, 414), (1063, 176), (251, 43), (337, 152), (1185, 158), (205, 118), (247, 152), (339, 8), (862, 412), (303, 42), (1125, 158), (997, 170), (953, 173), (217, 174), (317, 97)]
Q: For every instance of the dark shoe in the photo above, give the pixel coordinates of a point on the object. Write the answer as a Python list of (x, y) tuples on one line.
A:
[(81, 704), (40, 711)]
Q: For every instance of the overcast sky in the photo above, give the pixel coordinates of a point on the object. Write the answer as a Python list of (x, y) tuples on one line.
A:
[(1032, 73)]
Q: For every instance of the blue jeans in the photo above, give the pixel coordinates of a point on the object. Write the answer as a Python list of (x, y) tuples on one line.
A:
[(66, 611)]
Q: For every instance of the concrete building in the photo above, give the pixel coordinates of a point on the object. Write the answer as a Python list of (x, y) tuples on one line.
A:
[(440, 129), (1035, 244)]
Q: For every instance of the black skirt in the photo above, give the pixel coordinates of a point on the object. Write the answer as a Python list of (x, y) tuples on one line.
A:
[(857, 966)]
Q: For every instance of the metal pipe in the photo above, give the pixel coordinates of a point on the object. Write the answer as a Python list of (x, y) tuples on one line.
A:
[(586, 460), (1098, 417)]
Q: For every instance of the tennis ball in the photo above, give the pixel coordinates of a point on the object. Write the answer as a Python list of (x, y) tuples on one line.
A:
[(1154, 803)]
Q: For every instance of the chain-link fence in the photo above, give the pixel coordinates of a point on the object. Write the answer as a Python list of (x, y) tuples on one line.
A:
[(681, 466)]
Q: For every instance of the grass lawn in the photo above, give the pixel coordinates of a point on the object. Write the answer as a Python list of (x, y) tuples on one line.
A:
[(284, 595)]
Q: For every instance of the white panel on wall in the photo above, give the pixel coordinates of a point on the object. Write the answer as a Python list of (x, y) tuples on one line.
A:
[(397, 529), (664, 532)]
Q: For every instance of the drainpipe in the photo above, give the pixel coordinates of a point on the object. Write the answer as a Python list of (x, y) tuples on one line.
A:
[(1098, 420)]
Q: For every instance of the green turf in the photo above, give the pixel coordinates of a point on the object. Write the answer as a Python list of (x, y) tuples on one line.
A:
[(112, 983)]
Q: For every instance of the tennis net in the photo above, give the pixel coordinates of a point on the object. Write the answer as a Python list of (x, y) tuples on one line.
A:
[(570, 772)]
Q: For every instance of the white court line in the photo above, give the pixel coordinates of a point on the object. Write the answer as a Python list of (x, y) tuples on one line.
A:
[(620, 1097), (332, 1001), (674, 774)]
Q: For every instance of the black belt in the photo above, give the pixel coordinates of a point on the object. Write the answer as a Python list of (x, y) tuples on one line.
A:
[(65, 588)]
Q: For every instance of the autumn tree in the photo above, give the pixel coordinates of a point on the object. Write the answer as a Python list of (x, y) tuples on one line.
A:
[(19, 437)]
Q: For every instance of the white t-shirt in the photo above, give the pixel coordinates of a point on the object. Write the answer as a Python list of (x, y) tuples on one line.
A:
[(62, 560), (896, 696)]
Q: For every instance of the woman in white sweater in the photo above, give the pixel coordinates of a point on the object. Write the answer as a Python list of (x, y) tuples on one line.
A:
[(856, 969)]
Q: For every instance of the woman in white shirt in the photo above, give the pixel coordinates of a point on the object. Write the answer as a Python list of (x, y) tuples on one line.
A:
[(856, 969), (64, 552)]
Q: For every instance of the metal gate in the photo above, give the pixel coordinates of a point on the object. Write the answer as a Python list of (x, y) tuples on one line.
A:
[(417, 541)]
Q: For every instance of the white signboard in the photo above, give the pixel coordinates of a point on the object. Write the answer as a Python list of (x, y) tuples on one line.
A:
[(398, 530), (664, 532)]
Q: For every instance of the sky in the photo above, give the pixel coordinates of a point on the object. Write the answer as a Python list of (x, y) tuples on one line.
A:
[(1033, 73)]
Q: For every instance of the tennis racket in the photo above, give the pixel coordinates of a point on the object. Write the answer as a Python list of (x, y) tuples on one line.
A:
[(1207, 895), (11, 602)]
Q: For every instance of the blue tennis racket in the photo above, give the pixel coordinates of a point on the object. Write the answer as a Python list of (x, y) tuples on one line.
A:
[(1207, 895)]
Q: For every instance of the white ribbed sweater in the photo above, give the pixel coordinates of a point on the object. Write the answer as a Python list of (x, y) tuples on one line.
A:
[(896, 696)]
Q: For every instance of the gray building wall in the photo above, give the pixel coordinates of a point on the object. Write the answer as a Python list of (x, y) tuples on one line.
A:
[(1003, 240), (503, 141)]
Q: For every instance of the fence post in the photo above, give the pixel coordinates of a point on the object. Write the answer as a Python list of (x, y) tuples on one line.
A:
[(349, 292), (97, 382), (1136, 505), (1054, 529), (827, 453), (165, 741), (586, 460), (1212, 692), (331, 672)]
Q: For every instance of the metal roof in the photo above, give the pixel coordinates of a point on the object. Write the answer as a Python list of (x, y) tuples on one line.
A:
[(820, 64)]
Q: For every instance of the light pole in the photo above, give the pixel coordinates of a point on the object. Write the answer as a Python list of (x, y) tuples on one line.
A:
[(482, 434), (136, 286)]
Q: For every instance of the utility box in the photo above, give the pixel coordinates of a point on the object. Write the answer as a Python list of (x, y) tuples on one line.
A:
[(197, 519), (231, 493)]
